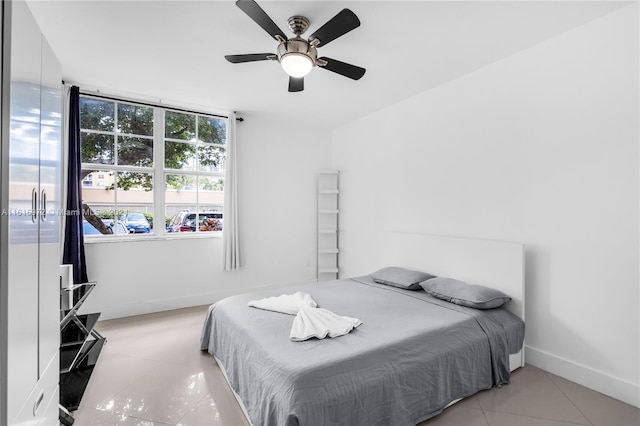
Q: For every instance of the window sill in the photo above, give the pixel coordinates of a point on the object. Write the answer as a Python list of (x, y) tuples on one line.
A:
[(151, 237)]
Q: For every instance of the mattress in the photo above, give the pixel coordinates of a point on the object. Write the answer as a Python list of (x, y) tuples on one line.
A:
[(411, 357)]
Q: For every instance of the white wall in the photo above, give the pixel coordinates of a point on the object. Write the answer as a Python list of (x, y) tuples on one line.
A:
[(277, 179), (540, 148)]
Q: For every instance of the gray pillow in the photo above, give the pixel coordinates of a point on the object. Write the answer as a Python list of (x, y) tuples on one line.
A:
[(400, 277), (461, 293)]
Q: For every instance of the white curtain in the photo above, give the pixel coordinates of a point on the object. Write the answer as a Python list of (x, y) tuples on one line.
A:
[(230, 240)]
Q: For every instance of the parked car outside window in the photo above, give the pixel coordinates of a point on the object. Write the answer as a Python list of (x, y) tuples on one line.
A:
[(136, 222), (120, 229), (89, 229), (189, 221)]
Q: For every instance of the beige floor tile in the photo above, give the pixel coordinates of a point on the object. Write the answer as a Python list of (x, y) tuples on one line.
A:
[(145, 346), (160, 342), (529, 367), (469, 402), (131, 326), (457, 415), (173, 345), (220, 411), (531, 394), (191, 324), (165, 394), (113, 373), (599, 409), (92, 417), (503, 419), (220, 407)]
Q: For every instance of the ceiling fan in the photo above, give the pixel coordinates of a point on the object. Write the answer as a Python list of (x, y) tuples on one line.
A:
[(297, 55)]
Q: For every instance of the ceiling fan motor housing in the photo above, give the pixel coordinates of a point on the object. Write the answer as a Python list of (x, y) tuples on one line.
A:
[(297, 46)]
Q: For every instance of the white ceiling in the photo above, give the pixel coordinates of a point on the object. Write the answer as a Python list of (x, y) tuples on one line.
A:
[(174, 50)]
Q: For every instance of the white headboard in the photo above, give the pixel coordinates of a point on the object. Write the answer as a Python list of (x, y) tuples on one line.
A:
[(495, 264)]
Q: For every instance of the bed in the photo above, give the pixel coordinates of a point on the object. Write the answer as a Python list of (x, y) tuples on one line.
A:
[(413, 355)]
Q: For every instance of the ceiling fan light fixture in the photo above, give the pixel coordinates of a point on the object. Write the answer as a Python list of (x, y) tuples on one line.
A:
[(296, 64)]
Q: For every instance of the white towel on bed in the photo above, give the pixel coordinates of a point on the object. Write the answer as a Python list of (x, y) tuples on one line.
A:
[(320, 323), (285, 303), (310, 321)]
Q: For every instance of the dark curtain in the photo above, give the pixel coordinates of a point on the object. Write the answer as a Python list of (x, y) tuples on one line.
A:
[(73, 235)]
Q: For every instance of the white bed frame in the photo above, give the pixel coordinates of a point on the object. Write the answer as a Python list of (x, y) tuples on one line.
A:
[(495, 264)]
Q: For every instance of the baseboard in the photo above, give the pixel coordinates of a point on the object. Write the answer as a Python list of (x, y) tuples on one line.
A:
[(156, 305), (150, 306), (607, 384)]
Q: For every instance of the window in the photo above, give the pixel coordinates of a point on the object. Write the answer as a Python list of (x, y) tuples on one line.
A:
[(142, 165), (194, 147)]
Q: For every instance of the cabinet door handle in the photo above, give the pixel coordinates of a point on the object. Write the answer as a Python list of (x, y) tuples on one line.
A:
[(34, 205), (43, 205)]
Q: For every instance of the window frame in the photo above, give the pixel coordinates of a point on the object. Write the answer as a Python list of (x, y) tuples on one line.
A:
[(158, 172)]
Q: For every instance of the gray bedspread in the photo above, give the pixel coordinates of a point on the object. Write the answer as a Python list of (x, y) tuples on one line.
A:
[(412, 355)]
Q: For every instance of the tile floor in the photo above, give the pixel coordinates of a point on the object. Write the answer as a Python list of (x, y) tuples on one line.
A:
[(151, 372)]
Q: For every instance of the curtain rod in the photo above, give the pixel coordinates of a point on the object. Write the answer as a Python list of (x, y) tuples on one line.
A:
[(112, 98)]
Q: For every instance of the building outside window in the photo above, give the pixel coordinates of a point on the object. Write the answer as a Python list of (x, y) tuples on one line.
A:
[(140, 160)]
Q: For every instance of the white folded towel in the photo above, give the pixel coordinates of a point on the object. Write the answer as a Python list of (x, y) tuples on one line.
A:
[(320, 323), (285, 303), (310, 321)]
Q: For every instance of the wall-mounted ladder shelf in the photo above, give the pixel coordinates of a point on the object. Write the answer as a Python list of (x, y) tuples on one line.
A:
[(328, 230)]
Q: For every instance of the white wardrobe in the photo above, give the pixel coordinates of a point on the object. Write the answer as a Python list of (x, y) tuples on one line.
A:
[(30, 188)]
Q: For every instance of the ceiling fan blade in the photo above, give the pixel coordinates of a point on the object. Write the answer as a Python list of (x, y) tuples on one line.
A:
[(237, 59), (255, 12), (337, 26), (296, 84), (343, 68)]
